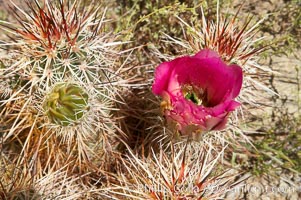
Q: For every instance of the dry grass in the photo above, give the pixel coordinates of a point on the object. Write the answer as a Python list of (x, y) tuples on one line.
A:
[(125, 142)]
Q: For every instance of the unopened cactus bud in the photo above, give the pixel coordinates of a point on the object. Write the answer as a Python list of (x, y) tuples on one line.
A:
[(66, 104)]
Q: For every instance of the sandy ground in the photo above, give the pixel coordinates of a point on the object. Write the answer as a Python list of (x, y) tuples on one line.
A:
[(286, 81)]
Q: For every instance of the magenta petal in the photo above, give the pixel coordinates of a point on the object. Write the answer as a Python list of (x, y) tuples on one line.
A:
[(217, 123), (224, 107), (237, 79), (221, 82), (218, 118), (212, 122), (162, 75), (233, 105), (217, 83), (206, 53)]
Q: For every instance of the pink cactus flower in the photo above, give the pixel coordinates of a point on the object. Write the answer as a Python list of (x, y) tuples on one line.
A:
[(198, 91)]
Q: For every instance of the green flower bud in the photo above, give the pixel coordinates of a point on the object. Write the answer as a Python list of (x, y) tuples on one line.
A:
[(66, 104)]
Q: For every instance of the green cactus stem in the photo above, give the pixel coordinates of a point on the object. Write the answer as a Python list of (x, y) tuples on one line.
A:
[(66, 104)]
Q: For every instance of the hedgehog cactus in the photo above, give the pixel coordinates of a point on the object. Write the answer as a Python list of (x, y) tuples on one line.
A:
[(179, 79), (63, 78), (66, 104), (235, 43), (67, 74), (58, 42), (187, 172)]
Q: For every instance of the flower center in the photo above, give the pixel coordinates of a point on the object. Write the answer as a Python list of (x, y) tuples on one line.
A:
[(197, 95)]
